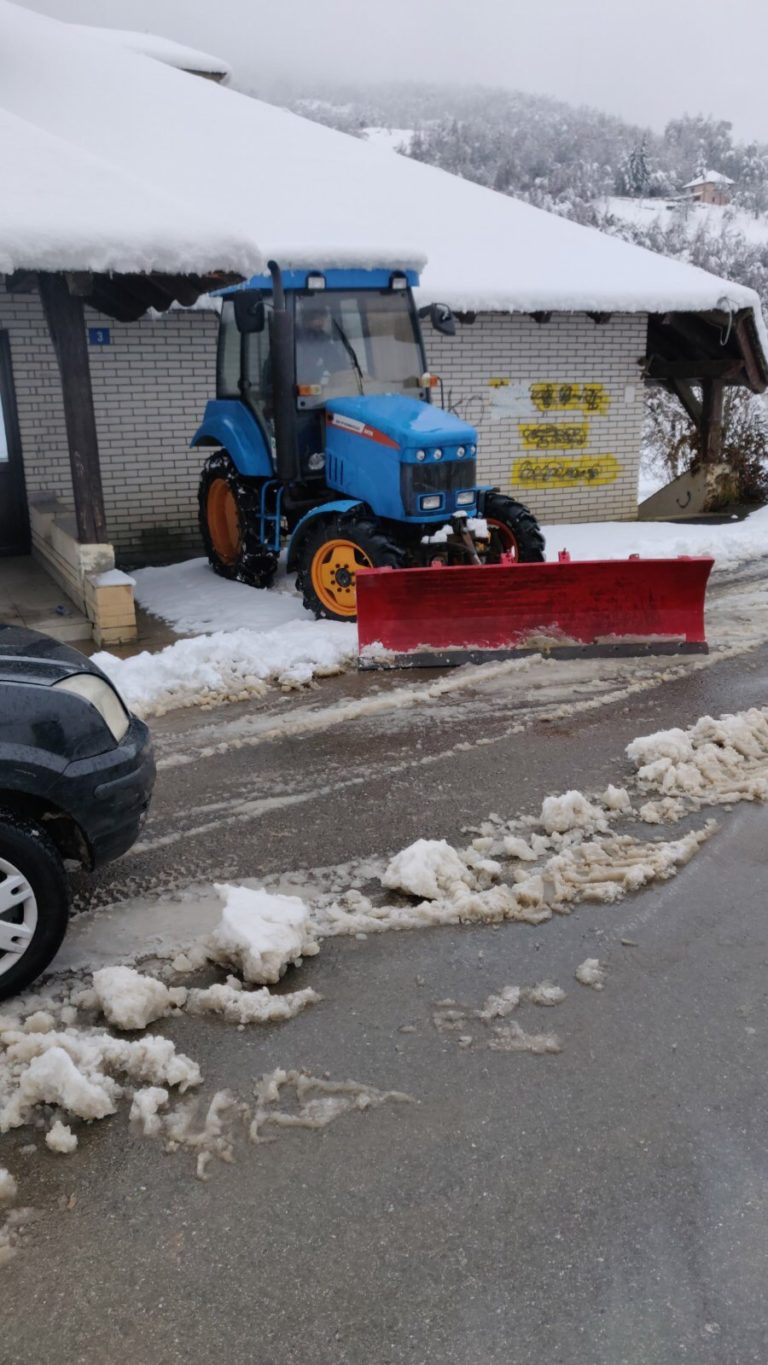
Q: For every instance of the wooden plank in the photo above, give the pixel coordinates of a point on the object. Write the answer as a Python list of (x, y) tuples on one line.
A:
[(66, 325)]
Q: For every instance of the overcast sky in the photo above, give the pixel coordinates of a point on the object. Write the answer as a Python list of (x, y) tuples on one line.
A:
[(647, 60)]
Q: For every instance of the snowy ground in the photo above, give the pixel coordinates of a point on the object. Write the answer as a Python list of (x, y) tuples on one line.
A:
[(243, 640), (65, 1059)]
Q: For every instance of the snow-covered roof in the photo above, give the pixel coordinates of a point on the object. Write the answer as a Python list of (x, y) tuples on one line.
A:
[(709, 178), (163, 50), (153, 170)]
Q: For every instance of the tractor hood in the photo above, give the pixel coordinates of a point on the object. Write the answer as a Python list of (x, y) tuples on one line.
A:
[(396, 421)]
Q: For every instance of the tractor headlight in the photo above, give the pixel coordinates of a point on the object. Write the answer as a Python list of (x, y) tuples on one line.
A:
[(465, 499), (460, 453), (421, 454), (431, 503), (437, 454), (103, 697)]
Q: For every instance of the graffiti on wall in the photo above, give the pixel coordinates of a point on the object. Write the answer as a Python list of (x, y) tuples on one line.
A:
[(539, 473), (588, 398), (554, 435)]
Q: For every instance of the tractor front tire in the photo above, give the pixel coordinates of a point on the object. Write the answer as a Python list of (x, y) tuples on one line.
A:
[(229, 519), (329, 560), (514, 530)]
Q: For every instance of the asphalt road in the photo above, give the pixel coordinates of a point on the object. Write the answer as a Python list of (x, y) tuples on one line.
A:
[(602, 1206)]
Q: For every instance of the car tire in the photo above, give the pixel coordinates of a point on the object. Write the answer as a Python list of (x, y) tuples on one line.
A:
[(34, 895)]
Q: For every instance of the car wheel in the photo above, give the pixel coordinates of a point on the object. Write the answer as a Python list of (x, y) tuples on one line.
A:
[(34, 903)]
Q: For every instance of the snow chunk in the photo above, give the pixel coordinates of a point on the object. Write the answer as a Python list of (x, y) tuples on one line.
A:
[(239, 1006), (431, 868), (499, 1006), (60, 1138), (545, 993), (591, 973), (53, 1078), (616, 799), (8, 1186), (512, 1038), (146, 1103), (39, 1022), (571, 811), (260, 934), (128, 999)]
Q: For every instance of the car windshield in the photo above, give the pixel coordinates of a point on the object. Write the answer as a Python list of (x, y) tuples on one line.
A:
[(353, 342)]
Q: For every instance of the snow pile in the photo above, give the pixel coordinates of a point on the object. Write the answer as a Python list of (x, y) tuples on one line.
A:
[(60, 1138), (77, 1070), (130, 1000), (260, 934), (239, 1006), (431, 868), (230, 666), (571, 811), (715, 761), (590, 972)]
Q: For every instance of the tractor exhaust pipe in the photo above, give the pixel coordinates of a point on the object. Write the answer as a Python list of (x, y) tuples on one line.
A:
[(283, 386)]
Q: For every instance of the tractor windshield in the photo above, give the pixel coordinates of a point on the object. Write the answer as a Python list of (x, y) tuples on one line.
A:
[(356, 341)]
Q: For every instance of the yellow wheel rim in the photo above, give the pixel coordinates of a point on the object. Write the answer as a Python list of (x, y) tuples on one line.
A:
[(223, 521), (334, 570)]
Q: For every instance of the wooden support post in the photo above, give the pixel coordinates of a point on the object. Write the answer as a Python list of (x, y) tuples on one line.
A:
[(712, 421), (66, 324)]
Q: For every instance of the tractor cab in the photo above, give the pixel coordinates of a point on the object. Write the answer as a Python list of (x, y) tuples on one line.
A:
[(353, 333)]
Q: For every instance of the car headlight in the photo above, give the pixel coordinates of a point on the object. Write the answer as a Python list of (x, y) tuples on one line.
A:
[(106, 701)]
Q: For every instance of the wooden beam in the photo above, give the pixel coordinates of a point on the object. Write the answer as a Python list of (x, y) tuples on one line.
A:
[(541, 317), (66, 324), (683, 391), (600, 319), (657, 367), (712, 421)]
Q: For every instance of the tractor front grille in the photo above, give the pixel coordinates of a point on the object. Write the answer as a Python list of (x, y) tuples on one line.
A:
[(446, 476)]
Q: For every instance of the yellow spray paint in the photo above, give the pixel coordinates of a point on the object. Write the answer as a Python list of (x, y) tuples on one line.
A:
[(587, 398), (532, 472), (554, 435)]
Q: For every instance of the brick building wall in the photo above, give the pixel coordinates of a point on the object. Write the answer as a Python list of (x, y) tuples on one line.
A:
[(150, 386), (559, 409), (558, 406)]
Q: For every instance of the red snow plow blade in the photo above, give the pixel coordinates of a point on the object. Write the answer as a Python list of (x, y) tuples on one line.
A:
[(441, 615)]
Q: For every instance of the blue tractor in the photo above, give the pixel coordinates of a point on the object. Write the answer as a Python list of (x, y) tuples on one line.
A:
[(323, 431)]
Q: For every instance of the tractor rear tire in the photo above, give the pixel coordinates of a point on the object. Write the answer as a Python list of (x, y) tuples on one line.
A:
[(229, 517), (514, 530), (330, 557)]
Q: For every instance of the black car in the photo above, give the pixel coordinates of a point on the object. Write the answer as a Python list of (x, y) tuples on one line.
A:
[(76, 776)]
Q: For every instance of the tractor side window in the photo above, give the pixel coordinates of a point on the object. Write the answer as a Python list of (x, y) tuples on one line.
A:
[(257, 369), (228, 357)]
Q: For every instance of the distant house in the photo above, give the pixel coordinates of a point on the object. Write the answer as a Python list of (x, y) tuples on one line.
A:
[(709, 188)]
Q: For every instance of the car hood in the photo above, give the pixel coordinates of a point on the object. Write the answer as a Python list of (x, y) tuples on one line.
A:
[(27, 656)]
